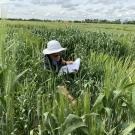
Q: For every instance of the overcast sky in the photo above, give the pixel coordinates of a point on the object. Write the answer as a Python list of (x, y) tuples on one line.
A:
[(68, 9)]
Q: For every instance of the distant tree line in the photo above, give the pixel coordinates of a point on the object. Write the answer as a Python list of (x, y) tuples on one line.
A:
[(118, 21)]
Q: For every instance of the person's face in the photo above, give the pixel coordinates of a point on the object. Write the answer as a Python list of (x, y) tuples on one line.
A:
[(55, 56)]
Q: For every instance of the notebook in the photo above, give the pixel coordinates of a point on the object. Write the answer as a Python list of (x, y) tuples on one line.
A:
[(70, 68)]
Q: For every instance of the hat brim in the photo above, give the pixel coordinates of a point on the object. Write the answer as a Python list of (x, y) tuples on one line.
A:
[(46, 51)]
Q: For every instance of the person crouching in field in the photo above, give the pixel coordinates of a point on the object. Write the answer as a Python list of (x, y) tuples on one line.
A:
[(53, 61), (52, 56)]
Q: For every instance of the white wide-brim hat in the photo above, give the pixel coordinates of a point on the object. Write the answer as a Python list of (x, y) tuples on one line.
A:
[(53, 46)]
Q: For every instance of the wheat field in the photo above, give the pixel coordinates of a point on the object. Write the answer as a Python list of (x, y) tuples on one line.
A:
[(104, 87)]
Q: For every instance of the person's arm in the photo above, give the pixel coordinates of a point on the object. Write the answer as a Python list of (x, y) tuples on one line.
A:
[(69, 62), (66, 62)]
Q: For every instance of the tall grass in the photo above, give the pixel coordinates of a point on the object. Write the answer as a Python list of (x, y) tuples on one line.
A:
[(103, 88)]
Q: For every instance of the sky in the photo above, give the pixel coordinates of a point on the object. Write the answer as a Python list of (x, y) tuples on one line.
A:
[(68, 9)]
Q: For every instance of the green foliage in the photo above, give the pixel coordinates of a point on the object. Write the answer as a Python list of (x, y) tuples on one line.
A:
[(104, 87)]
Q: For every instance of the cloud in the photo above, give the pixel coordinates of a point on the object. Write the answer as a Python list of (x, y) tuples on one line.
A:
[(70, 4), (72, 9), (17, 4), (106, 2), (4, 1)]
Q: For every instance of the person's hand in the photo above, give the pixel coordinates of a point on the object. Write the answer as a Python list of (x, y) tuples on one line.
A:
[(69, 62)]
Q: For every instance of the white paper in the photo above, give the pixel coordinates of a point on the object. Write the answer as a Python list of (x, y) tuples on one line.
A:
[(70, 68)]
